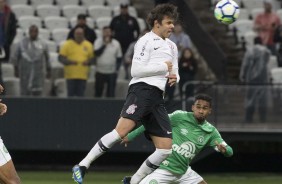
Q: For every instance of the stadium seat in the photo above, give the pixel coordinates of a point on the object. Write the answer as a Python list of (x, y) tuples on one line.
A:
[(272, 63), (53, 22), (89, 22), (60, 34), (115, 3), (142, 24), (98, 33), (90, 86), (279, 13), (88, 3), (276, 74), (249, 38), (14, 2), (22, 10), (243, 26), (7, 70), (36, 3), (47, 88), (62, 3), (92, 72), (121, 88), (52, 46), (131, 10), (97, 11), (46, 10), (103, 21), (20, 35), (252, 4), (44, 34), (26, 21), (70, 11), (57, 69), (60, 87), (12, 86), (255, 12), (244, 14)]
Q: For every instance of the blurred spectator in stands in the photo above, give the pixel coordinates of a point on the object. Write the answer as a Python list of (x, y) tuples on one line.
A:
[(278, 41), (254, 72), (180, 38), (130, 50), (31, 62), (126, 30), (108, 52), (265, 25), (8, 30), (188, 67), (89, 33), (76, 55)]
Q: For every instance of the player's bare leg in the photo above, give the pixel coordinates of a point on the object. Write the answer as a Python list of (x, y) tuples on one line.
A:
[(203, 182), (8, 174)]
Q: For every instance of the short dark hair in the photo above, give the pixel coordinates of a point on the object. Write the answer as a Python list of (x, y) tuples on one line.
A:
[(81, 16), (160, 11), (257, 40), (204, 97), (122, 5)]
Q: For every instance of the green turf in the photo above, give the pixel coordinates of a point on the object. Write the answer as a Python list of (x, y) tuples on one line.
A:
[(115, 178)]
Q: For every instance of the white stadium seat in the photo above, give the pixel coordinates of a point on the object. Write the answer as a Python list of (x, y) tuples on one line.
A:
[(60, 34), (88, 3), (272, 63), (279, 13), (44, 34), (53, 22), (13, 2), (97, 11), (7, 70), (61, 87), (20, 34), (243, 26), (47, 10), (101, 22), (252, 4), (89, 22), (89, 90), (142, 24), (67, 2), (57, 69), (249, 38), (26, 21), (12, 86), (36, 3), (244, 14), (70, 11), (114, 3), (22, 10), (131, 11), (52, 46)]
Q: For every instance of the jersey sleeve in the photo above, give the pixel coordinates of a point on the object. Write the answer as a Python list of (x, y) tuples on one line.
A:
[(175, 64), (135, 133), (174, 117), (216, 138), (140, 66)]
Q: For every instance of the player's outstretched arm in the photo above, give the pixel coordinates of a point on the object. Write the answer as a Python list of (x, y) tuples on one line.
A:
[(132, 135), (225, 149)]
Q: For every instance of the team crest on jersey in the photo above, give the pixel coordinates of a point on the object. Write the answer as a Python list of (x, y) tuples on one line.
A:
[(131, 109), (153, 181), (184, 131), (201, 139)]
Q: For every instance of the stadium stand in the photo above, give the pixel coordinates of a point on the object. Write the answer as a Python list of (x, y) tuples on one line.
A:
[(70, 11), (46, 10)]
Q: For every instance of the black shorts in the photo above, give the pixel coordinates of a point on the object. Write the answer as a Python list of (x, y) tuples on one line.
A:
[(145, 104)]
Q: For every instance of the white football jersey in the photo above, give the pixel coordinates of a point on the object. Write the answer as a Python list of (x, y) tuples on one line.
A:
[(148, 63)]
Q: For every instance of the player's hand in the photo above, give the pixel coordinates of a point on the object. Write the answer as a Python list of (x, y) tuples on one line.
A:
[(125, 141), (169, 66), (220, 147), (172, 78), (3, 108), (1, 89)]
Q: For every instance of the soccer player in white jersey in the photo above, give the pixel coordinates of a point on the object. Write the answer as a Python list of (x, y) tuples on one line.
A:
[(8, 173), (191, 133), (153, 65)]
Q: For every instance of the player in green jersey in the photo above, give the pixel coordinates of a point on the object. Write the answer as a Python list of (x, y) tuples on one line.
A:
[(191, 133)]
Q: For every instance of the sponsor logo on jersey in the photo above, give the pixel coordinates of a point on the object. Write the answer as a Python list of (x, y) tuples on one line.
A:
[(131, 109), (153, 181), (143, 48), (165, 163), (201, 139), (184, 131), (186, 149)]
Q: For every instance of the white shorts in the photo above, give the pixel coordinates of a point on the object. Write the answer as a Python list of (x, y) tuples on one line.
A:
[(161, 176), (4, 154)]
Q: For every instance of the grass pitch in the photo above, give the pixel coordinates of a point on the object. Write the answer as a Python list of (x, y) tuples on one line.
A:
[(59, 177)]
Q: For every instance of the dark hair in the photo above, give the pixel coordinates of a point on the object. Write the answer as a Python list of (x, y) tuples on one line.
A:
[(204, 97), (81, 16), (33, 26), (160, 11)]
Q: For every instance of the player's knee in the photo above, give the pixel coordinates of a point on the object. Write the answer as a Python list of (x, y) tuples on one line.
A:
[(164, 153)]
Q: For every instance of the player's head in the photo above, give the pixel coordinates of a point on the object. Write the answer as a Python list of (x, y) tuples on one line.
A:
[(202, 107), (162, 19)]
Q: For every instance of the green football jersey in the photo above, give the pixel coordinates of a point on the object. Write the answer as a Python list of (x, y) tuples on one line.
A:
[(189, 138)]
